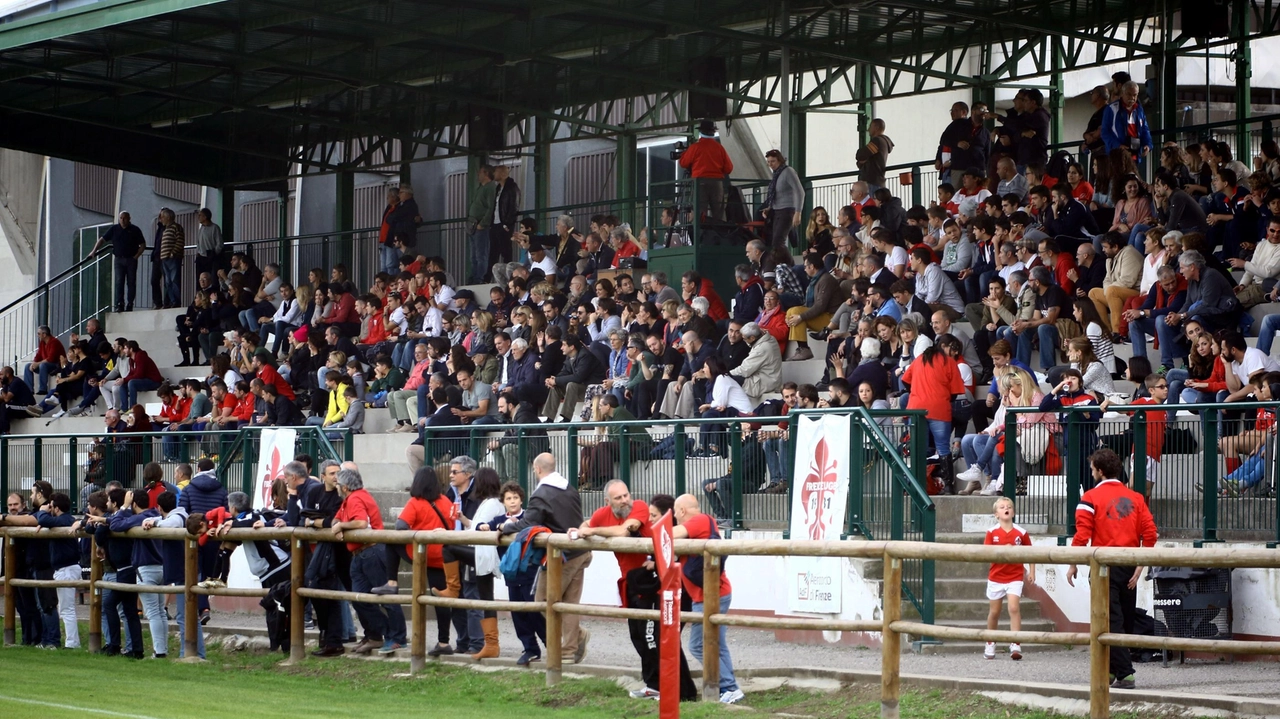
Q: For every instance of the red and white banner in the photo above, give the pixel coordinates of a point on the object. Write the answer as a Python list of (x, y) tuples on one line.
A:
[(820, 493), (669, 606)]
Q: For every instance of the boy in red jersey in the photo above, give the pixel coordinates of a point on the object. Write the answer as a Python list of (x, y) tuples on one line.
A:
[(1006, 579)]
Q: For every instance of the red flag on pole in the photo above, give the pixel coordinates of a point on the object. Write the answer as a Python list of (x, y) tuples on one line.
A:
[(669, 605)]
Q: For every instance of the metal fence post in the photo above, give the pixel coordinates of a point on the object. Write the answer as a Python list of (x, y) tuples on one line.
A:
[(890, 640), (1210, 495), (418, 611), (555, 584), (246, 478), (1072, 466), (710, 632), (624, 455), (916, 190), (72, 444), (1099, 654), (681, 480), (4, 466), (739, 474), (857, 467), (37, 460), (1009, 478), (522, 460), (1140, 452), (571, 442)]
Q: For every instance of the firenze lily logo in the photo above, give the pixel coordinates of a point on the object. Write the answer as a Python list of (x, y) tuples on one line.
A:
[(817, 491), (269, 476)]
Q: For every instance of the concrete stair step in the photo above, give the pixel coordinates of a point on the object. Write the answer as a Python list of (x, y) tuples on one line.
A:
[(119, 324)]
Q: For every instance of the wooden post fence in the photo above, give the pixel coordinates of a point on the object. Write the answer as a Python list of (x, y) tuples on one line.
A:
[(891, 625)]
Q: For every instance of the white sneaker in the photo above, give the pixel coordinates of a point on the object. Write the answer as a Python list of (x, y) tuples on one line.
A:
[(1015, 652), (992, 489), (990, 651), (972, 474), (732, 697), (645, 693), (57, 414)]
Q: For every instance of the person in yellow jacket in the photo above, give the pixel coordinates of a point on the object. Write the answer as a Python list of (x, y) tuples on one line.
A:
[(336, 383)]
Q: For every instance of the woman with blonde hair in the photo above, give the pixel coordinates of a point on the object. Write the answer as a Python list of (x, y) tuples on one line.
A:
[(1018, 388), (818, 233)]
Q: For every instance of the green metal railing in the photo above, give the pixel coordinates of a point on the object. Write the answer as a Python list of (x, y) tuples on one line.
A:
[(63, 459), (1190, 497), (887, 490)]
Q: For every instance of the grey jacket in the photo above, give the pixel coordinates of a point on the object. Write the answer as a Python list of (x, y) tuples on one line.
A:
[(208, 239), (353, 419), (790, 192)]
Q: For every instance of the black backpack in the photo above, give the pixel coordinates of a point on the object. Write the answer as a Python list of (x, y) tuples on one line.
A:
[(694, 565)]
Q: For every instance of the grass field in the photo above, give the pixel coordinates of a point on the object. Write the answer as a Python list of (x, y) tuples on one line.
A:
[(38, 684)]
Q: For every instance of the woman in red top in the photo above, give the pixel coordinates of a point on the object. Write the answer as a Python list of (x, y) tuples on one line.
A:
[(1080, 187), (935, 381), (1207, 373), (624, 245), (772, 318), (426, 511)]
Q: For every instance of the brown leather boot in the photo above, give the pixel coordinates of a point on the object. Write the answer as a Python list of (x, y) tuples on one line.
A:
[(452, 582), (490, 649)]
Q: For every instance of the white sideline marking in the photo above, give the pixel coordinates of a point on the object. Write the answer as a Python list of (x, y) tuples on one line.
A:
[(91, 710)]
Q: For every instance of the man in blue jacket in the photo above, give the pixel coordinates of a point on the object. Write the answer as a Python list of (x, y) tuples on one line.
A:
[(201, 495), (173, 516), (1124, 124), (119, 552), (64, 557), (148, 563)]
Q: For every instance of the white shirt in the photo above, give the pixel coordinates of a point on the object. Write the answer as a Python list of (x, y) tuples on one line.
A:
[(547, 265), (1254, 361), (897, 256), (1151, 265), (444, 296), (398, 318), (1010, 269), (727, 393), (433, 322), (289, 312)]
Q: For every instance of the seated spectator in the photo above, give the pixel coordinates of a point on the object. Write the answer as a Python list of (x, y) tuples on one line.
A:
[(581, 369), (281, 411), (600, 451), (75, 367), (49, 353)]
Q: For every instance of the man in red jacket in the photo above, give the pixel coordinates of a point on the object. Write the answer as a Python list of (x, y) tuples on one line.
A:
[(1113, 515), (49, 351), (709, 165), (143, 376)]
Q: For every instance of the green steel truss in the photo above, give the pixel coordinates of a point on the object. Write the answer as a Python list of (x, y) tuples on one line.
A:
[(233, 92)]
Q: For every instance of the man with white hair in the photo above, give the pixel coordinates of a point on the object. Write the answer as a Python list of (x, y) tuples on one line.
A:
[(1124, 124), (556, 504), (384, 626), (761, 371)]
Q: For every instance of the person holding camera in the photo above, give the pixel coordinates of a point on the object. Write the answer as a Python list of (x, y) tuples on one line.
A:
[(709, 165)]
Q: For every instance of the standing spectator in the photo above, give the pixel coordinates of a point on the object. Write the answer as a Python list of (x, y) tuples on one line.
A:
[(530, 626), (64, 559), (1112, 515), (873, 158), (1033, 137), (693, 524), (934, 380), (1093, 142), (556, 505), (1124, 124), (209, 246), (405, 218), (388, 255), (173, 516), (149, 564), (709, 165), (48, 359), (783, 203), (964, 144), (173, 242), (127, 245), (479, 217), (267, 560), (505, 209), (383, 624)]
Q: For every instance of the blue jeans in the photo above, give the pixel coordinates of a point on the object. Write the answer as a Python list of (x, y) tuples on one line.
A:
[(979, 450), (478, 262), (172, 269), (126, 271), (1138, 238), (1171, 343), (1048, 334), (390, 257), (380, 622), (116, 618), (1177, 379), (728, 682), (153, 605), (941, 433), (44, 368), (131, 390), (171, 446), (282, 331), (774, 459), (182, 630), (1266, 334)]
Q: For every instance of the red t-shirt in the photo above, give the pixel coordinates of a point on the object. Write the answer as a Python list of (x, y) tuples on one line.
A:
[(1156, 422), (244, 407), (1005, 573), (359, 505), (420, 517), (699, 527), (604, 517), (270, 376), (230, 402)]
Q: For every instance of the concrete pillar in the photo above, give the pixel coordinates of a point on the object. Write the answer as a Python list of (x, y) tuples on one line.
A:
[(1244, 84), (226, 215)]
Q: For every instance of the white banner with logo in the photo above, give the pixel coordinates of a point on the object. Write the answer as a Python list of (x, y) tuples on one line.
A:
[(820, 492), (275, 450)]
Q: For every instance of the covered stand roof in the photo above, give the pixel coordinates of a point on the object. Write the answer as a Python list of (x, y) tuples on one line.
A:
[(226, 92)]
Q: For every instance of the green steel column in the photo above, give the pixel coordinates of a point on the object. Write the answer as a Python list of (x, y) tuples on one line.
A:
[(1167, 62), (681, 477), (625, 174), (542, 167), (1244, 86), (1056, 95), (1212, 483), (227, 212), (37, 458), (798, 158), (344, 215), (866, 106)]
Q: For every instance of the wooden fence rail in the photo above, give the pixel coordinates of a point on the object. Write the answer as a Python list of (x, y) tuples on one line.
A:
[(891, 627)]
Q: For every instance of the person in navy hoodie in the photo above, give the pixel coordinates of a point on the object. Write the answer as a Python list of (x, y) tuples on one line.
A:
[(119, 551), (40, 625), (64, 557), (173, 516), (26, 604), (148, 566), (203, 494)]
